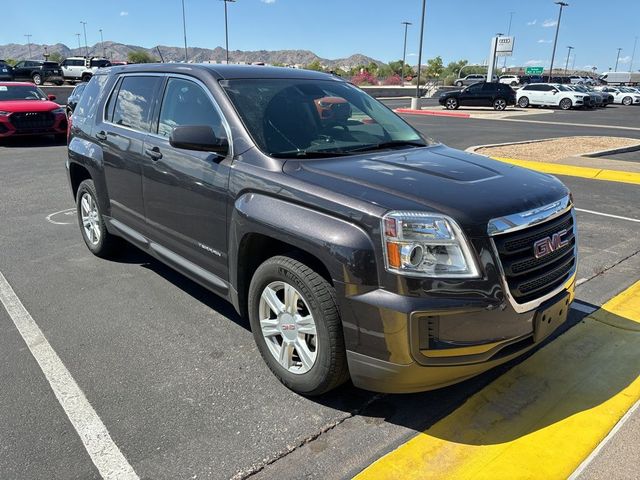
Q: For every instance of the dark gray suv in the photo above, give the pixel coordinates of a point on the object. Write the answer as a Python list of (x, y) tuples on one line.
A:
[(356, 247)]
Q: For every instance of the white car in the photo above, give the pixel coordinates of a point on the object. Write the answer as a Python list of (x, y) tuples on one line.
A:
[(512, 80), (551, 94), (623, 95), (82, 69)]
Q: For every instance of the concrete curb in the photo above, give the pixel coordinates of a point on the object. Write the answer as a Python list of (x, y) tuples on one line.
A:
[(598, 153), (435, 113)]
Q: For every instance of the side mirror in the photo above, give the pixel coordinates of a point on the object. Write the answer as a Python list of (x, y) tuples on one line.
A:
[(51, 97), (554, 91), (200, 138)]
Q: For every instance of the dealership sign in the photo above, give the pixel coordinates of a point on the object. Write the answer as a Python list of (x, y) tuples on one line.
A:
[(533, 70), (504, 48)]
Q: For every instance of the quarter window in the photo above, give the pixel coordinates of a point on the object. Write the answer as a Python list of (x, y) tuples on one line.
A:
[(134, 102), (186, 103)]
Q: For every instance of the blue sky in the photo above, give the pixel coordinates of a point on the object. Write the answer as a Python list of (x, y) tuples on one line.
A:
[(338, 28)]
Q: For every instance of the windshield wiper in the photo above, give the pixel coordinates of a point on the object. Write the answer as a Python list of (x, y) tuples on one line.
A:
[(310, 154), (390, 144)]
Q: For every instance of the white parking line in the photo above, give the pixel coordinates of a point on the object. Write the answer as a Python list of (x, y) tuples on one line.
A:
[(104, 453), (628, 219), (589, 125)]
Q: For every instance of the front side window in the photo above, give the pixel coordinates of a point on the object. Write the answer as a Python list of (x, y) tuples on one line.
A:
[(186, 103), (476, 87), (314, 118), (133, 102)]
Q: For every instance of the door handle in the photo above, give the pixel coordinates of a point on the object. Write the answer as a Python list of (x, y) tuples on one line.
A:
[(101, 135), (154, 153)]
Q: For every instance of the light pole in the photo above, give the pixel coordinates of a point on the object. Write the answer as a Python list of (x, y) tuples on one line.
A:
[(555, 41), (28, 35), (226, 29), (79, 47), (617, 59), (86, 46), (404, 50), (566, 65), (504, 65), (184, 31), (633, 55), (415, 102), (104, 52)]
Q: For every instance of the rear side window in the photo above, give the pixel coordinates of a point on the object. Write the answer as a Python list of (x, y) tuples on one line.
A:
[(186, 103), (134, 102), (86, 108)]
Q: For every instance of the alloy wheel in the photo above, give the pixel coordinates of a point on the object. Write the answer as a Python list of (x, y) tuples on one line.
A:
[(90, 218), (451, 103), (500, 104), (288, 327)]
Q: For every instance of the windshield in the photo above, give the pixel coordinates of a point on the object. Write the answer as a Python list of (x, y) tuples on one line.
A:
[(21, 92), (314, 118)]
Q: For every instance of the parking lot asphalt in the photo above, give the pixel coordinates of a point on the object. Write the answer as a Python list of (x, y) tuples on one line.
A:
[(173, 372)]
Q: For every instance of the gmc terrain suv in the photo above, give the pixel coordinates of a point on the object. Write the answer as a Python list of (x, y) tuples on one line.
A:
[(356, 247)]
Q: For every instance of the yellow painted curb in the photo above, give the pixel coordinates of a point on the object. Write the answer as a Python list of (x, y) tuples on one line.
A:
[(543, 417), (573, 171)]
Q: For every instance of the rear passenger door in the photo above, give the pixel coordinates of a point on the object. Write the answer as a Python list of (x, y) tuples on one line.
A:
[(185, 191), (121, 134)]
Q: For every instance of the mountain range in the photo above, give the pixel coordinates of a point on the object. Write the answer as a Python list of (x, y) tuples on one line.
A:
[(119, 51)]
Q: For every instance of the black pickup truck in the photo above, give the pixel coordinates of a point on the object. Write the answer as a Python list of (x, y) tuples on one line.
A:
[(38, 72), (356, 247)]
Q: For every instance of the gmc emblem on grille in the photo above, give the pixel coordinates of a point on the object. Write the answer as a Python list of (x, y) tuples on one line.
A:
[(547, 245)]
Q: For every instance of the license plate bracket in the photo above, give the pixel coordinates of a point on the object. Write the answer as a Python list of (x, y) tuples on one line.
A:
[(548, 320)]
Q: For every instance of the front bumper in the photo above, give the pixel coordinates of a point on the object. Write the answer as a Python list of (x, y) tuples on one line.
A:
[(9, 128), (436, 348)]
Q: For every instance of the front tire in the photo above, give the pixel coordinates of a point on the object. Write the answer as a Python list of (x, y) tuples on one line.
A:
[(86, 78), (37, 78), (523, 102), (296, 325), (94, 232), (451, 104), (627, 101), (566, 104)]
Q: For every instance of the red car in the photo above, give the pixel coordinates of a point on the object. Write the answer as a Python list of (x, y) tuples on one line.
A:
[(26, 110)]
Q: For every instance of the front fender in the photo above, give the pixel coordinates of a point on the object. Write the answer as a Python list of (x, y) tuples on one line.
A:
[(344, 248)]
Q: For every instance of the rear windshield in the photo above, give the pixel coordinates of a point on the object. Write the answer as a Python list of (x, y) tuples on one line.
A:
[(21, 92)]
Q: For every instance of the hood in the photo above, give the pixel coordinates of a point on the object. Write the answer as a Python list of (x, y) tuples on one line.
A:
[(28, 106), (470, 188)]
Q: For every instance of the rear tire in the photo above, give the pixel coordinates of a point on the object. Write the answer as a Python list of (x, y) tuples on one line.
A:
[(451, 104), (321, 364), (37, 79), (499, 104), (94, 232), (523, 102), (459, 84), (566, 104)]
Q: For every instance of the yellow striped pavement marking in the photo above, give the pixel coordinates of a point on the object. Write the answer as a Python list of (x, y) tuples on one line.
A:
[(543, 417), (575, 171)]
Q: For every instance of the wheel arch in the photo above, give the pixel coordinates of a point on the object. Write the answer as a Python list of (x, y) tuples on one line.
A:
[(338, 250)]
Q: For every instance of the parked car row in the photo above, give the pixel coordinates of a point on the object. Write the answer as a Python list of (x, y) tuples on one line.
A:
[(72, 69), (563, 96), (515, 80)]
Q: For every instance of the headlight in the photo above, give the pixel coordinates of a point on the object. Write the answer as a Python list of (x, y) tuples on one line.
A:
[(58, 110), (426, 245), (4, 114)]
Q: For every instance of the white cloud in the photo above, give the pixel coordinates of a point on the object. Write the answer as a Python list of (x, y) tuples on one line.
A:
[(542, 40), (412, 54), (549, 23), (532, 22), (268, 2), (534, 63), (626, 59), (124, 14)]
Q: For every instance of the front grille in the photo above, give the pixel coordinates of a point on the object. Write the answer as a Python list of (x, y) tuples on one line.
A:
[(32, 120), (529, 277)]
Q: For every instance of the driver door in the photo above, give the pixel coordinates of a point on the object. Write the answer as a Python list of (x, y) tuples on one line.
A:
[(185, 191)]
